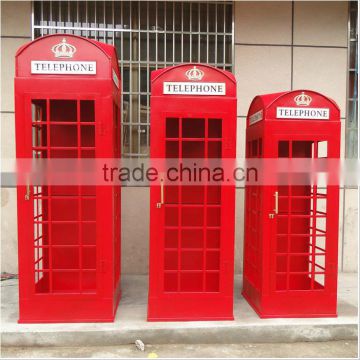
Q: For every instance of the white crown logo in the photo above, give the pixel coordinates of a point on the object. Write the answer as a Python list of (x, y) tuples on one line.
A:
[(303, 99), (194, 74), (63, 50)]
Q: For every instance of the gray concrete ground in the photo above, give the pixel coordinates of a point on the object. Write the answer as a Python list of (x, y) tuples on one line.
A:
[(130, 323), (333, 349)]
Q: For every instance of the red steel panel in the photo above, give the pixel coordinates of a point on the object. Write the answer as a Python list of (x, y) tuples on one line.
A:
[(69, 236), (192, 232), (290, 258)]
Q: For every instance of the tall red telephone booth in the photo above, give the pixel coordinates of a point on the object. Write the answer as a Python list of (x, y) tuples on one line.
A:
[(291, 230), (67, 105), (193, 115)]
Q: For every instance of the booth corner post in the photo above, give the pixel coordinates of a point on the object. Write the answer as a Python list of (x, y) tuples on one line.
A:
[(291, 230), (193, 116), (67, 106)]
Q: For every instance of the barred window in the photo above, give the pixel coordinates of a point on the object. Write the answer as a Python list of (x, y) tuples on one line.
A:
[(148, 35), (352, 126)]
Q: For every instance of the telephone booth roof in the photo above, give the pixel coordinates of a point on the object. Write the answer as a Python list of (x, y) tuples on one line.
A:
[(290, 106), (67, 48), (194, 73)]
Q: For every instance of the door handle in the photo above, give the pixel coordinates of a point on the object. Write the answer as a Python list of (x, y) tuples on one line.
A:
[(162, 191), (159, 204), (276, 208), (27, 194)]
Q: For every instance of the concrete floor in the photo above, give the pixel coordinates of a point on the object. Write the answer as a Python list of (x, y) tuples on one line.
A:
[(332, 349), (131, 324)]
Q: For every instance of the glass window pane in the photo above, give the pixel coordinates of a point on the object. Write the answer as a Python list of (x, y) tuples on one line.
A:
[(169, 15), (186, 48), (117, 15), (177, 48), (178, 16), (203, 17), (212, 18), (186, 16), (143, 16), (220, 18), (203, 48), (46, 13), (73, 14), (195, 48), (160, 16), (169, 47), (134, 15), (37, 13), (228, 49), (160, 50), (152, 16), (126, 15), (194, 17), (352, 113), (91, 14), (352, 55), (152, 47), (135, 46), (228, 18), (55, 11), (126, 46), (109, 10), (143, 80), (220, 49), (211, 49)]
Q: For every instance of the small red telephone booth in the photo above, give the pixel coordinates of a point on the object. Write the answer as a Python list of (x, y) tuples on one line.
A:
[(67, 99), (291, 230), (193, 115)]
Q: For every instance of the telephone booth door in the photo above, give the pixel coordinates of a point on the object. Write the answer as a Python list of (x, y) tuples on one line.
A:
[(191, 226), (67, 108), (299, 236)]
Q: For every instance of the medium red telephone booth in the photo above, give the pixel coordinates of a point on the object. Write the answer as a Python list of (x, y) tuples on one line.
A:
[(193, 115), (67, 105), (291, 230)]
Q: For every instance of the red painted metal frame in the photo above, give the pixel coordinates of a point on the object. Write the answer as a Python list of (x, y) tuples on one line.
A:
[(287, 274), (192, 280), (69, 236)]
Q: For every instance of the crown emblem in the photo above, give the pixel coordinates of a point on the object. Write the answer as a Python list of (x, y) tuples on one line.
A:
[(303, 99), (194, 74), (63, 50)]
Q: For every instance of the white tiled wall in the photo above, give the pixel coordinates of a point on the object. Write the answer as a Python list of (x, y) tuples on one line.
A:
[(260, 70), (322, 69), (320, 23), (263, 22)]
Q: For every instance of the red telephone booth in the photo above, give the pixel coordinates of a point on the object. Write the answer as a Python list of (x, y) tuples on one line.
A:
[(193, 115), (291, 230), (67, 105)]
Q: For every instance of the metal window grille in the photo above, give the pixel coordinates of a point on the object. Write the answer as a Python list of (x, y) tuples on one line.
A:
[(148, 35), (352, 126)]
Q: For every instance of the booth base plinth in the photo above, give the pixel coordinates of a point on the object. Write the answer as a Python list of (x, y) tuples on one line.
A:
[(264, 315), (95, 311), (183, 307), (154, 319)]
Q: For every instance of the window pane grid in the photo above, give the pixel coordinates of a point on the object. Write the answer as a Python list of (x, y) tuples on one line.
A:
[(352, 105), (148, 35)]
